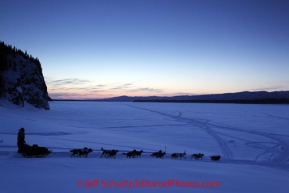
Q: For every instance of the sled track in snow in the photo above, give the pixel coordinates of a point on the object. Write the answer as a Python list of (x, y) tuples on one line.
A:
[(281, 157), (203, 125)]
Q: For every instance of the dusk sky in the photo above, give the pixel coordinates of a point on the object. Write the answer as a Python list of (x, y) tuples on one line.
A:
[(106, 48)]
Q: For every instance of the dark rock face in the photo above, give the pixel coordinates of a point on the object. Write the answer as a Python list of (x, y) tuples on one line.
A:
[(24, 82)]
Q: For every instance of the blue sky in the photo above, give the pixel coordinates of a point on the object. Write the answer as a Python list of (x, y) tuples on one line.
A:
[(106, 48)]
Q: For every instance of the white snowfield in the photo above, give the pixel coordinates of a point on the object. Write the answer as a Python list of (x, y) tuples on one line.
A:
[(253, 141)]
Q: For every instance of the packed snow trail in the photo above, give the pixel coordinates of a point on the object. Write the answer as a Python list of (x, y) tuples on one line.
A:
[(203, 125), (279, 153)]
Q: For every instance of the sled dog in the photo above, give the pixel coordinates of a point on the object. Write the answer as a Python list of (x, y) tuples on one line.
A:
[(108, 153), (197, 156), (215, 158)]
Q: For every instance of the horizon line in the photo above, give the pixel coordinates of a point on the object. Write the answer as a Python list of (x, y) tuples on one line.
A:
[(166, 95)]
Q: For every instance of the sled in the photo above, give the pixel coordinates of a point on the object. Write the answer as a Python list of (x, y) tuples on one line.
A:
[(35, 151)]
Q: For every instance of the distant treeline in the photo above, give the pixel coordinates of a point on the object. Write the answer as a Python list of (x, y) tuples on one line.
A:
[(256, 101), (6, 64), (84, 100)]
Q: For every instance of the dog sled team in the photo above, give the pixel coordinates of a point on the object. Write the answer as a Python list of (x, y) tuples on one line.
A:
[(135, 154), (36, 151)]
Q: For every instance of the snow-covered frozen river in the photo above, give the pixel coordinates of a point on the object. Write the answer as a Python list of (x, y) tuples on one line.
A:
[(253, 141)]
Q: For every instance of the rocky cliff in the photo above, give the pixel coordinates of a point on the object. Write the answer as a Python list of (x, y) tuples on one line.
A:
[(22, 79)]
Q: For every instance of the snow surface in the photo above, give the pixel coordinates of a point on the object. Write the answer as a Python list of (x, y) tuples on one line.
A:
[(253, 141)]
